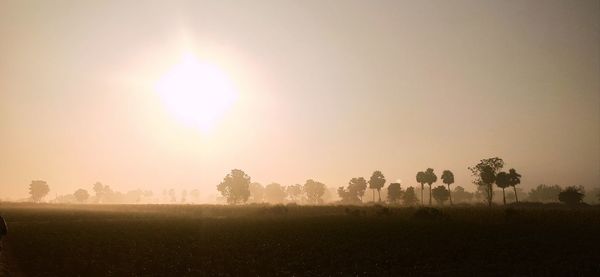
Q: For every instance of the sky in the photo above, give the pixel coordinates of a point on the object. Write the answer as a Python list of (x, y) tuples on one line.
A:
[(324, 90)]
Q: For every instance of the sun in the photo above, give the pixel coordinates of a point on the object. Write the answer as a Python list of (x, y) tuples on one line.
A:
[(198, 93)]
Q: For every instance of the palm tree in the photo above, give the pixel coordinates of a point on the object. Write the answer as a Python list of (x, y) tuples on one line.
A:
[(421, 180), (503, 181), (514, 179), (376, 182), (430, 178), (448, 179)]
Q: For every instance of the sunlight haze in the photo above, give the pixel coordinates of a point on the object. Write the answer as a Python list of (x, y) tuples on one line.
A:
[(175, 94)]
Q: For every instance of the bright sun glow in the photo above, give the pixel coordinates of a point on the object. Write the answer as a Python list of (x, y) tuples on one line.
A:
[(196, 92)]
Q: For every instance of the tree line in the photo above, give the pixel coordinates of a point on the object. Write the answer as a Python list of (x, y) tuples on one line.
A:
[(237, 188)]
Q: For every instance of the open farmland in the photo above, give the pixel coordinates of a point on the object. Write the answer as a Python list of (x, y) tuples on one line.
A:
[(188, 240)]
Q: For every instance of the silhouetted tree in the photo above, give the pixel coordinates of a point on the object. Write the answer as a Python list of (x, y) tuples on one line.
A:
[(461, 195), (275, 193), (409, 197), (358, 186), (294, 192), (503, 182), (235, 187), (81, 195), (441, 194), (257, 192), (421, 179), (38, 189), (394, 192), (448, 179), (430, 179), (571, 195), (314, 191), (544, 193), (99, 190), (485, 175), (347, 197), (376, 182), (514, 179)]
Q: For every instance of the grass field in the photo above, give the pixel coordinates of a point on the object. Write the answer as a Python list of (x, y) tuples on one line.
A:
[(192, 240)]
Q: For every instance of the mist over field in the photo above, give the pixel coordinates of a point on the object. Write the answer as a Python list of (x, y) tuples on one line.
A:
[(299, 138)]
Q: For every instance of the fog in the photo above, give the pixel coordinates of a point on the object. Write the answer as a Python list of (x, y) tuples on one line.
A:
[(326, 91)]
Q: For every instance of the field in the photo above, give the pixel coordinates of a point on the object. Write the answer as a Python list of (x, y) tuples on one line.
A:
[(196, 240)]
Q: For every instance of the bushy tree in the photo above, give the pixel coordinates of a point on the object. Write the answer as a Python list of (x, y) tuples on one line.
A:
[(257, 192), (358, 186), (294, 192), (430, 179), (448, 179), (376, 182), (235, 187), (571, 195), (81, 195), (441, 194), (409, 197), (485, 175), (314, 191), (544, 193), (394, 192), (503, 182), (38, 189), (275, 193), (461, 195)]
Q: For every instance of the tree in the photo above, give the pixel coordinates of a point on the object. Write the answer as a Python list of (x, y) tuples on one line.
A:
[(544, 193), (275, 193), (514, 179), (571, 195), (359, 186), (430, 179), (503, 182), (409, 197), (294, 192), (394, 192), (448, 179), (441, 194), (314, 191), (376, 182), (99, 190), (81, 195), (421, 179), (461, 195), (38, 189), (485, 175), (257, 192), (235, 187), (347, 196)]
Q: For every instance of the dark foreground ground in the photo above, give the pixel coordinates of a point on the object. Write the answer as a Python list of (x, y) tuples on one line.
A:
[(156, 240)]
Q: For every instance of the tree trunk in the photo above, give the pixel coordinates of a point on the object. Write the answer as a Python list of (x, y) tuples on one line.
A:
[(373, 195), (379, 194), (503, 197), (450, 194), (516, 197), (421, 194), (490, 195), (429, 195)]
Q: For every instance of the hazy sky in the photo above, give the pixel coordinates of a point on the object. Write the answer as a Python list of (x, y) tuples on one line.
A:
[(327, 90)]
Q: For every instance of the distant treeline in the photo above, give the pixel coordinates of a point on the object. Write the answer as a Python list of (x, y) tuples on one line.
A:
[(237, 188)]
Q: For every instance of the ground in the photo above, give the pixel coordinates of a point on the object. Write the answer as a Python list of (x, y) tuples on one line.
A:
[(193, 240)]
